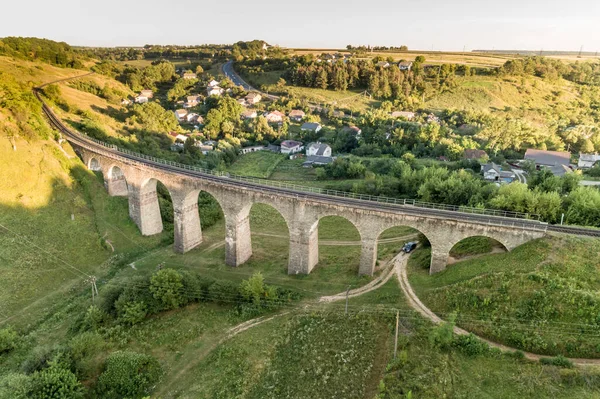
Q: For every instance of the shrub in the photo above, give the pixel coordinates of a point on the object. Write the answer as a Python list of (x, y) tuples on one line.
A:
[(94, 317), (132, 312), (41, 357), (470, 345), (55, 382), (559, 361), (166, 287), (128, 375), (224, 292), (85, 349), (441, 336), (15, 386), (8, 339), (253, 289)]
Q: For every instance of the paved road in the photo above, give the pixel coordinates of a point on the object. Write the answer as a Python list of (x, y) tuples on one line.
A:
[(521, 175), (227, 69)]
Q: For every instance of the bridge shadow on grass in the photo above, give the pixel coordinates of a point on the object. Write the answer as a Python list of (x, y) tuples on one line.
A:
[(56, 234)]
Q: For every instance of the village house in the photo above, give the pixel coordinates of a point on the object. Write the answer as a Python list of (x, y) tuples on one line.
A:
[(255, 148), (147, 93), (475, 154), (213, 83), (403, 114), (253, 98), (316, 160), (191, 117), (249, 114), (189, 75), (493, 172), (405, 65), (141, 99), (587, 160), (291, 146), (339, 114), (214, 91), (192, 101), (126, 101), (558, 162), (274, 117), (296, 115), (319, 149), (311, 126), (383, 64), (353, 130), (180, 114)]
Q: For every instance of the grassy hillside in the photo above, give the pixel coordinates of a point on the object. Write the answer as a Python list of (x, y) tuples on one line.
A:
[(541, 297)]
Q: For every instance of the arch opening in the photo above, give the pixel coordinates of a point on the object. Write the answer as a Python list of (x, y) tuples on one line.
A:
[(94, 165), (339, 246), (270, 238), (392, 241), (474, 246)]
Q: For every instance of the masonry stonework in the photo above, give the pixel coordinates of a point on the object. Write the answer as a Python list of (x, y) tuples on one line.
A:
[(301, 214)]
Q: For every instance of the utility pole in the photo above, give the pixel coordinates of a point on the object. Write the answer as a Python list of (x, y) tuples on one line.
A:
[(396, 340), (580, 50), (92, 281), (562, 218), (347, 297)]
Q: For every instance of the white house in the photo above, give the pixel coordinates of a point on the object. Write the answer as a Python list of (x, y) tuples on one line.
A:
[(274, 117), (291, 146), (383, 64), (405, 65), (587, 160), (180, 114), (491, 171), (214, 91), (255, 148), (191, 117), (296, 115), (147, 93), (141, 99), (189, 75), (213, 83), (319, 149), (253, 98)]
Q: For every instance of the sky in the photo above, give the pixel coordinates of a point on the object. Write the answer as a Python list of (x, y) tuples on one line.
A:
[(451, 25)]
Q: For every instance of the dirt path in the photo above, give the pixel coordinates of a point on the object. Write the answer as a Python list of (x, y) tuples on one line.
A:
[(495, 250), (416, 304), (373, 285)]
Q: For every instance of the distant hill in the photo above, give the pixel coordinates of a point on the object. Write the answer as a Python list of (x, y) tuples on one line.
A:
[(34, 49)]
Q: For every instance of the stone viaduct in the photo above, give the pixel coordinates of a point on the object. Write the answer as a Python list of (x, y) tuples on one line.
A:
[(137, 180)]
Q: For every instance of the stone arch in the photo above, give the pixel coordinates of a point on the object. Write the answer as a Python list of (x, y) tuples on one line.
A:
[(474, 245), (116, 182), (94, 164)]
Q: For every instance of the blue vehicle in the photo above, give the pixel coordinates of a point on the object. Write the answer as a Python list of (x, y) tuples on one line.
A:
[(409, 246)]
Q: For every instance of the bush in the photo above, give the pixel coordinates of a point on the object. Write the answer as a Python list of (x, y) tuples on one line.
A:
[(55, 382), (15, 386), (85, 350), (166, 287), (224, 292), (470, 345), (94, 317), (41, 357), (8, 340), (132, 312), (441, 336), (558, 361), (128, 375)]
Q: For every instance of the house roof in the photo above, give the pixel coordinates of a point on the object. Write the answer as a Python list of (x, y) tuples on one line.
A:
[(296, 113), (310, 126), (548, 158), (253, 95), (290, 143), (589, 157), (317, 159), (405, 64), (275, 113), (181, 112), (559, 170), (249, 114), (321, 147), (491, 166)]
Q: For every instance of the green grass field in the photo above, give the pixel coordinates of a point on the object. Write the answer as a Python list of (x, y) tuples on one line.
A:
[(541, 297), (256, 164)]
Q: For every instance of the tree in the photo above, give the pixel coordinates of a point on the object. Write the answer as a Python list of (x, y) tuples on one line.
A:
[(253, 289), (166, 286), (199, 69), (128, 375), (8, 339), (55, 382), (419, 59), (281, 83), (321, 80)]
